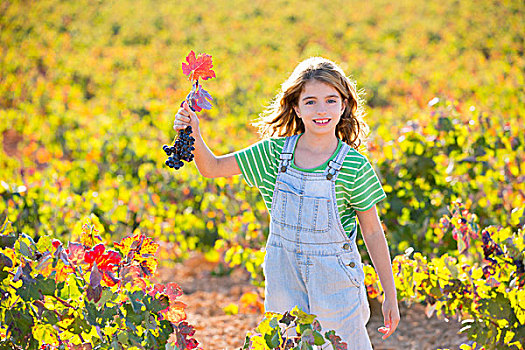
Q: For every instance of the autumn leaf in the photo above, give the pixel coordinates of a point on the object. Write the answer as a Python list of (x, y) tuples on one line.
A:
[(202, 99), (198, 67), (175, 312), (183, 332), (88, 237), (133, 274), (63, 272), (335, 340), (301, 316), (251, 303), (140, 249), (75, 253), (106, 262)]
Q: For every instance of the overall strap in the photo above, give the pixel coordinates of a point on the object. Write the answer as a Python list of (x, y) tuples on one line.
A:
[(287, 153), (335, 165)]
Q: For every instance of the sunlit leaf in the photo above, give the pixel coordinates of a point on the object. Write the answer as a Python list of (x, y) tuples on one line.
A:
[(198, 67)]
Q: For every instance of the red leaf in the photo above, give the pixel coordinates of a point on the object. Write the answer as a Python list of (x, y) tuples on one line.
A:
[(75, 252), (94, 253), (198, 67), (109, 260), (336, 340), (173, 290), (56, 243), (109, 279), (200, 99)]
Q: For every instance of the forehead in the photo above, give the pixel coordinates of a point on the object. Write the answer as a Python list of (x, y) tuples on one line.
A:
[(318, 89)]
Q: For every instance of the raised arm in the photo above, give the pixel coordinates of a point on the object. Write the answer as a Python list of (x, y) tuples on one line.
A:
[(207, 163)]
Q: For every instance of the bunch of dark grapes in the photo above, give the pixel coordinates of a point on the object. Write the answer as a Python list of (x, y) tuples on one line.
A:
[(181, 150)]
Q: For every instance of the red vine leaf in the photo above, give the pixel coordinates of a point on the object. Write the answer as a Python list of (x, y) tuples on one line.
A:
[(335, 340), (201, 99), (75, 252), (198, 67), (175, 311), (107, 262)]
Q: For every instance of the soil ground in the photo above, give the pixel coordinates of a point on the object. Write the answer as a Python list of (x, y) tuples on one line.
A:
[(206, 295)]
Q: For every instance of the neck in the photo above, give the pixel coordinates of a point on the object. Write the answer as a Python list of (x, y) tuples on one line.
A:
[(318, 143)]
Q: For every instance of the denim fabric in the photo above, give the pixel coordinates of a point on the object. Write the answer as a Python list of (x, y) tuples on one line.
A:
[(310, 262)]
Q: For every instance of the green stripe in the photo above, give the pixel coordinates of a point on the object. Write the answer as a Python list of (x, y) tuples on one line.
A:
[(357, 186)]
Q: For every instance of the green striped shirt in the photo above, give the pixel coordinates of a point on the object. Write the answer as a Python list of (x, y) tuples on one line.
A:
[(356, 187)]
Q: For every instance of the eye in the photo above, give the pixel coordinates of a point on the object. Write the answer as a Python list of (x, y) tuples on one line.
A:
[(332, 100), (310, 102)]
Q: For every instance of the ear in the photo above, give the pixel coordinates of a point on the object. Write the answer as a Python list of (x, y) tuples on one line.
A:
[(344, 105), (296, 109)]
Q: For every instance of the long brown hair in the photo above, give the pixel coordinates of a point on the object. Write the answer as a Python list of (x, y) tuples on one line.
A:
[(280, 118)]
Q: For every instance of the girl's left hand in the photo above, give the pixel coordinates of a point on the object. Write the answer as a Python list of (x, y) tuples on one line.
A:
[(390, 316)]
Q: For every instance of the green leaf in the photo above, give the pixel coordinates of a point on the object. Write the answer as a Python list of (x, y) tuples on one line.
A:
[(123, 337), (78, 326), (71, 289), (90, 313), (273, 340), (50, 317), (306, 346), (302, 317), (319, 339), (135, 300), (46, 285), (131, 315), (107, 295), (108, 313), (7, 241), (155, 305), (498, 307), (28, 292), (24, 249)]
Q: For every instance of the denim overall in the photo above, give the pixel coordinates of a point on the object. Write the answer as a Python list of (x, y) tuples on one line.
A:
[(310, 261)]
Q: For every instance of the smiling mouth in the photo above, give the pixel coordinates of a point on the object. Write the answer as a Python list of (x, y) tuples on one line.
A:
[(321, 121)]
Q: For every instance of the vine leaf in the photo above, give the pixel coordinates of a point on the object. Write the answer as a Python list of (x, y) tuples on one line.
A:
[(198, 67), (335, 340), (106, 262), (302, 317), (175, 311), (140, 249), (201, 99)]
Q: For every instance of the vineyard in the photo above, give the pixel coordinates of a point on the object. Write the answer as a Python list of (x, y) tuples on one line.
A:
[(90, 214)]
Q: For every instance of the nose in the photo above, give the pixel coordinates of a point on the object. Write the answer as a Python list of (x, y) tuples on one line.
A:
[(321, 109)]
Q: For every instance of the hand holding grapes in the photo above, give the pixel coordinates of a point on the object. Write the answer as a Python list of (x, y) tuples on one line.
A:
[(186, 117), (186, 120)]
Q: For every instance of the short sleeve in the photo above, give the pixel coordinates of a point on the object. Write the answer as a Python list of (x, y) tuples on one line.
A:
[(367, 189), (255, 162)]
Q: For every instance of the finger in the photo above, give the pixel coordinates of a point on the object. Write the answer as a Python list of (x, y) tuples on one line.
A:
[(183, 118), (178, 126), (383, 329), (389, 333), (182, 111), (188, 108)]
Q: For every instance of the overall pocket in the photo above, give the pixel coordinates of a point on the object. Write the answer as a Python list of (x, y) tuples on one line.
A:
[(293, 209), (353, 268)]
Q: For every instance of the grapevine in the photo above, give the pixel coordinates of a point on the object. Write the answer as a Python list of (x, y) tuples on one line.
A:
[(82, 295), (198, 99)]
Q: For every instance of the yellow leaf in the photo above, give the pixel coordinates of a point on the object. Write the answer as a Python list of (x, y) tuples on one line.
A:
[(45, 333)]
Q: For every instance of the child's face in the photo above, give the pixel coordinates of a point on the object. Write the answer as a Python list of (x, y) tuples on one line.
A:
[(320, 106)]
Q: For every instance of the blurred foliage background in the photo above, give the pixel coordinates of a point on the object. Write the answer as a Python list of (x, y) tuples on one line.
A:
[(89, 89)]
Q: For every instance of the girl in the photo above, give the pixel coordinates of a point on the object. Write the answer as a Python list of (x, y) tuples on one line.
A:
[(314, 184)]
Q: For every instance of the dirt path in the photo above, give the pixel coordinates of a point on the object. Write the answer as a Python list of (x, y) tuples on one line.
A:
[(206, 295)]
